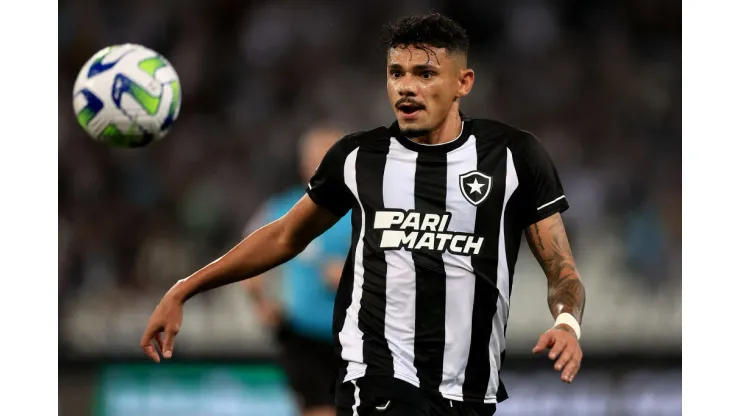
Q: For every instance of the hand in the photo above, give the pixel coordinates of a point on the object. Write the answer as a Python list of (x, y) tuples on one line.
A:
[(562, 343), (166, 318)]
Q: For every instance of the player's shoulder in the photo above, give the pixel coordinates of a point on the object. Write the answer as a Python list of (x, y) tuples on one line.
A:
[(493, 131)]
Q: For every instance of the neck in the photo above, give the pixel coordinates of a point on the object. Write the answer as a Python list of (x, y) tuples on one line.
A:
[(448, 131)]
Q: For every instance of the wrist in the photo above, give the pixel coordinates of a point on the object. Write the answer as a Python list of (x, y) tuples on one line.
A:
[(179, 291), (568, 322)]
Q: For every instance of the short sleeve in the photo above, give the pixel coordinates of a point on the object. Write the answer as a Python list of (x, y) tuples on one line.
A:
[(542, 194), (327, 187)]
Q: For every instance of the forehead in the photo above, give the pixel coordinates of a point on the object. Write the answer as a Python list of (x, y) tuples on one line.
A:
[(412, 55)]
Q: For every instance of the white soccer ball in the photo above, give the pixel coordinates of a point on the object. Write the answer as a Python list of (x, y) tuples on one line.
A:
[(127, 96)]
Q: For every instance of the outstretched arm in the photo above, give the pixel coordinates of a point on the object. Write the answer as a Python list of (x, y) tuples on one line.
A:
[(264, 249), (566, 294)]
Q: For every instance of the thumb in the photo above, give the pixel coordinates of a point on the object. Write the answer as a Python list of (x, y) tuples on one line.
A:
[(543, 343), (169, 340)]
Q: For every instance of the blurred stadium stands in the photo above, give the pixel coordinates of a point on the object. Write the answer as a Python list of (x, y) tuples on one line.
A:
[(597, 82)]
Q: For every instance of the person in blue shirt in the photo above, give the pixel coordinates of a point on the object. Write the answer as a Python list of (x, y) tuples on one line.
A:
[(302, 316)]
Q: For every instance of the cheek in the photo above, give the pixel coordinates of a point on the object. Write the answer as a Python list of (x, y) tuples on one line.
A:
[(439, 96), (391, 88), (447, 92)]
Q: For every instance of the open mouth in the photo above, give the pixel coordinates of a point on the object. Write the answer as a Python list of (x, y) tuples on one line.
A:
[(409, 109)]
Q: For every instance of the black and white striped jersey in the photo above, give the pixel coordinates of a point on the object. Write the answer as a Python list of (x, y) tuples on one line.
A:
[(425, 292)]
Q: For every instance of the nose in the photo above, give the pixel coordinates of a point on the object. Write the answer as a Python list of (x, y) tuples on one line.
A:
[(407, 86)]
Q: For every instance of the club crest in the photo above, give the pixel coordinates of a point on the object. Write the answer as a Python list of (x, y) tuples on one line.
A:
[(475, 186)]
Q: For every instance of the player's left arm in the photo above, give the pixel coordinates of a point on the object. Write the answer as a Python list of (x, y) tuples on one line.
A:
[(566, 294), (549, 243), (540, 201)]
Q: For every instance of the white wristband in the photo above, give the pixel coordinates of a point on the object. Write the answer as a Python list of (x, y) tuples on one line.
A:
[(570, 320)]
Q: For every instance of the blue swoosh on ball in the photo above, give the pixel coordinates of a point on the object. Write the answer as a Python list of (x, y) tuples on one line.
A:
[(98, 66)]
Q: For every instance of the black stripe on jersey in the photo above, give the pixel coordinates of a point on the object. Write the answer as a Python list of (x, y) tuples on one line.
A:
[(513, 240), (343, 297), (501, 393), (370, 168), (487, 221), (513, 234), (430, 193)]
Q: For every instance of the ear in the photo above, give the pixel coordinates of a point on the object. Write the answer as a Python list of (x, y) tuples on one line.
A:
[(465, 82)]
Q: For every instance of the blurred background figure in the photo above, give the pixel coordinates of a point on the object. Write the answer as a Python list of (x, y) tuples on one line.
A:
[(302, 316), (599, 82)]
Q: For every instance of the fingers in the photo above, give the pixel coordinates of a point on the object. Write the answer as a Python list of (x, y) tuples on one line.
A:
[(569, 361), (571, 369), (169, 340), (151, 352), (543, 343), (158, 338), (147, 343), (557, 348), (564, 358), (565, 349)]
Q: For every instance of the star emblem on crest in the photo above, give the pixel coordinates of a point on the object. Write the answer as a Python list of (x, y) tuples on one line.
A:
[(475, 186)]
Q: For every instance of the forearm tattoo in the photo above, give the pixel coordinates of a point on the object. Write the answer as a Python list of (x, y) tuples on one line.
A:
[(549, 243)]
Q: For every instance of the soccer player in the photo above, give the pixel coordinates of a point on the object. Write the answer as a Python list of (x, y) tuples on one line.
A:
[(302, 319), (438, 204)]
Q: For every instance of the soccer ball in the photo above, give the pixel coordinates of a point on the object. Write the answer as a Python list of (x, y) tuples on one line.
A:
[(127, 96)]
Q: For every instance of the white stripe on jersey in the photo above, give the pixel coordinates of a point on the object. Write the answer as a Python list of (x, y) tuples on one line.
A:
[(357, 399), (498, 341), (400, 290), (551, 202), (460, 282), (350, 337)]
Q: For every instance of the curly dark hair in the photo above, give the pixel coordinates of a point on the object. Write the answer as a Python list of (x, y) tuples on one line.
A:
[(434, 29)]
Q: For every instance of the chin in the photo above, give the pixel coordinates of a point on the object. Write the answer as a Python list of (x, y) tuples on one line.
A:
[(413, 129)]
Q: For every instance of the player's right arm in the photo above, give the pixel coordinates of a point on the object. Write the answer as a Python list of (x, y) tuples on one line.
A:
[(266, 248), (327, 200)]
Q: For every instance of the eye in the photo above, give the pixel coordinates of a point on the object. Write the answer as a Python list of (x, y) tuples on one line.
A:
[(395, 74), (427, 74)]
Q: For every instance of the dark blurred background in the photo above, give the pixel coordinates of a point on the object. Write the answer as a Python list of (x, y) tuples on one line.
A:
[(598, 82)]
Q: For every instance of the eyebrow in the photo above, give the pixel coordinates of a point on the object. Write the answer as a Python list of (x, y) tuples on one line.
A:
[(418, 67)]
